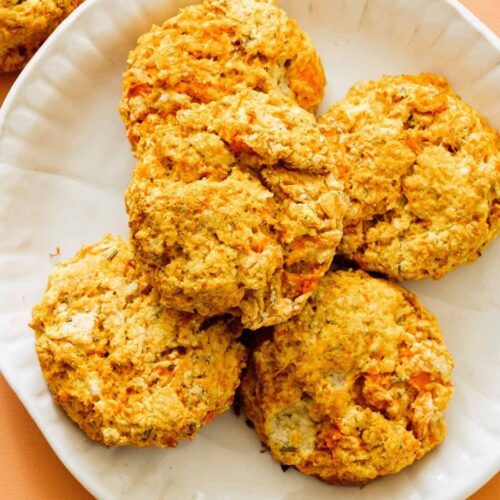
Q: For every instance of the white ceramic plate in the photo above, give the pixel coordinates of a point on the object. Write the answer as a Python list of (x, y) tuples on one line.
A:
[(65, 162)]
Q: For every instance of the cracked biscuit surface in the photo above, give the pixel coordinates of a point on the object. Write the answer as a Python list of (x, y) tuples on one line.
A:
[(25, 25), (422, 170), (126, 369), (355, 386), (235, 208), (214, 49)]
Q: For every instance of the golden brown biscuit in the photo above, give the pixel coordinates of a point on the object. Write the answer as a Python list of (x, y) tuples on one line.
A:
[(25, 25), (422, 169), (355, 386), (215, 49), (127, 370), (236, 208)]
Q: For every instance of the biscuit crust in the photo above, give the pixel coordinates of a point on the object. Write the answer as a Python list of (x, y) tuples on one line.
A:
[(123, 367), (236, 208), (214, 49), (355, 386), (25, 25), (422, 170)]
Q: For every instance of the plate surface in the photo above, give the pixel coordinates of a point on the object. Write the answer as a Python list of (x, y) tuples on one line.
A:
[(65, 162)]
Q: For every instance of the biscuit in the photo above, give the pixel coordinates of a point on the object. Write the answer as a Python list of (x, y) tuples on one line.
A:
[(422, 170), (214, 49), (126, 369), (25, 25), (355, 386), (236, 208)]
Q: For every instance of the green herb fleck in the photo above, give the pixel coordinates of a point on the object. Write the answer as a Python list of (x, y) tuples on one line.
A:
[(410, 123), (56, 253), (288, 449), (248, 39), (113, 255)]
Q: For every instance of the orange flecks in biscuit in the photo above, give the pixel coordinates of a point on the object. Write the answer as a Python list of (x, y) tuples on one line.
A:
[(235, 208), (214, 49), (350, 390), (123, 367), (422, 171)]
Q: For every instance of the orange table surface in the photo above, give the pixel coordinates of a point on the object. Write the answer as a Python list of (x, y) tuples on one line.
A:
[(29, 469)]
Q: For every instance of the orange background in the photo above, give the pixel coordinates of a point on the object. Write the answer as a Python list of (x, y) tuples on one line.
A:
[(29, 469)]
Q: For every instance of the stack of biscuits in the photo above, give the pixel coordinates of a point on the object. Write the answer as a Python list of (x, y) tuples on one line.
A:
[(238, 205)]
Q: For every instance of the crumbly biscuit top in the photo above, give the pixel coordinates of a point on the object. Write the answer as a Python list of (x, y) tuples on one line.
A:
[(125, 368), (236, 207), (422, 170), (355, 386), (214, 49)]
